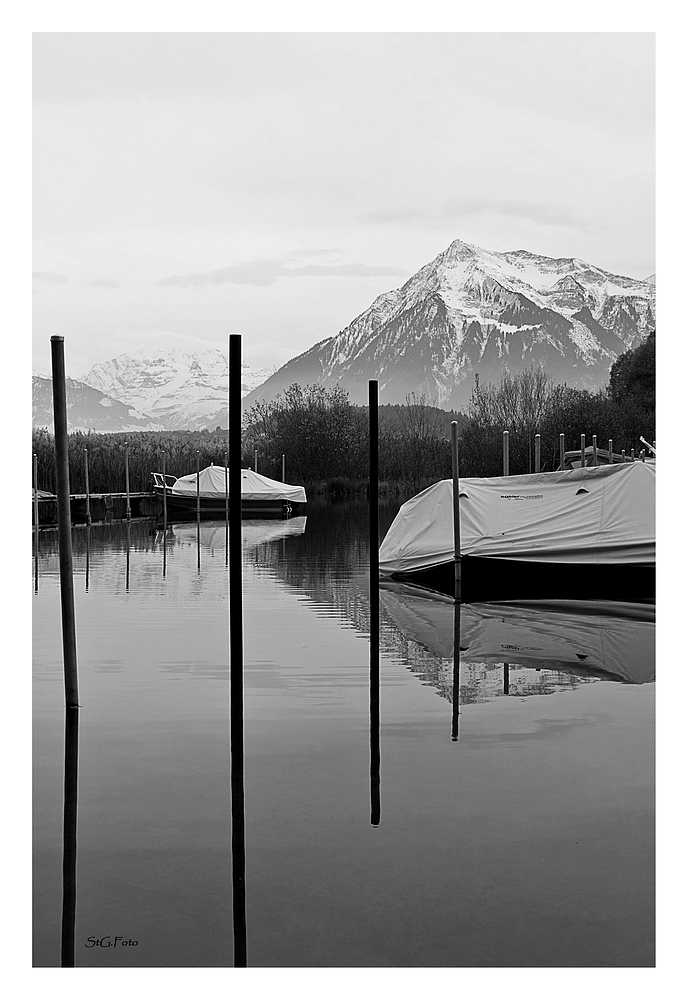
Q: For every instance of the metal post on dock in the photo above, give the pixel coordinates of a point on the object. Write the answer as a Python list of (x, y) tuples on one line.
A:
[(374, 539), (562, 453), (236, 658), (505, 453), (611, 451), (88, 491), (455, 506), (126, 475), (537, 452), (582, 449), (594, 451), (64, 521)]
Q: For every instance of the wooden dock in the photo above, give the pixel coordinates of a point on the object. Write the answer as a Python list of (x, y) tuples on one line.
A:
[(104, 507)]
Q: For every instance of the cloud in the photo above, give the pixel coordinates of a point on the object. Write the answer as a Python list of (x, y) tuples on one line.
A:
[(267, 272), (534, 211), (49, 277), (104, 283), (317, 252)]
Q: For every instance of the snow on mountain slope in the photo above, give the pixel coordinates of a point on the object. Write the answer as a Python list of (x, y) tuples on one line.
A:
[(473, 311), (179, 390), (87, 409)]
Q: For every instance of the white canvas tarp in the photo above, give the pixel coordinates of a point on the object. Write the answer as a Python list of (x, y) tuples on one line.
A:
[(594, 515), (253, 486)]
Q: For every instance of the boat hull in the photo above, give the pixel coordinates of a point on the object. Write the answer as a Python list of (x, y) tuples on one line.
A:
[(179, 505), (487, 579)]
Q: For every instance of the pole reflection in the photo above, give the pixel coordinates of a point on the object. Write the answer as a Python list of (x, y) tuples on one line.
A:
[(128, 556), (457, 672), (71, 780), (88, 553)]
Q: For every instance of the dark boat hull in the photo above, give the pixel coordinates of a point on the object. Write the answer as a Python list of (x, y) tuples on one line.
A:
[(216, 506), (511, 580)]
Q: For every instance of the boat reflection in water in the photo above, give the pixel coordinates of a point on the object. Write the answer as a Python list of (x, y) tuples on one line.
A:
[(584, 640)]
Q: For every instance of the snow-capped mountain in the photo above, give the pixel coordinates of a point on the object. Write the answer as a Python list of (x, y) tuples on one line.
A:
[(476, 311), (179, 390), (88, 409)]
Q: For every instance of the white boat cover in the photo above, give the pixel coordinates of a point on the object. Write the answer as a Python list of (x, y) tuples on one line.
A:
[(621, 643), (253, 486), (594, 515)]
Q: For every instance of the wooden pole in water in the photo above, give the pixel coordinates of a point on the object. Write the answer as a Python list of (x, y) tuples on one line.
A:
[(236, 657), (374, 538), (562, 453), (35, 520), (126, 474), (456, 678), (69, 823), (198, 510), (455, 506), (582, 449), (537, 452), (255, 460), (505, 453), (594, 451), (164, 497), (88, 491), (226, 508), (611, 451), (64, 521), (284, 475)]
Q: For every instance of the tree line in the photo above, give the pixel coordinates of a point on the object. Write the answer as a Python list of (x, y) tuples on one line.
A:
[(324, 437)]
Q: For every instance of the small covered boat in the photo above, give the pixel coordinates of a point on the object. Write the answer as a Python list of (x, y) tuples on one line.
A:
[(207, 489), (581, 534)]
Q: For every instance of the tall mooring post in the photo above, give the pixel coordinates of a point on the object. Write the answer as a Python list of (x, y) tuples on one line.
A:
[(505, 453), (562, 453), (537, 452), (610, 445), (594, 451), (88, 491), (64, 522), (374, 540), (236, 657), (582, 450), (126, 477), (455, 504)]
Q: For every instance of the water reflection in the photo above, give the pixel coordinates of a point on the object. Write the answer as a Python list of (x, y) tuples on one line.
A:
[(71, 783)]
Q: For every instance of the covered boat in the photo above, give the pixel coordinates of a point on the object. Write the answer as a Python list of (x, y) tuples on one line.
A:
[(583, 534), (260, 496)]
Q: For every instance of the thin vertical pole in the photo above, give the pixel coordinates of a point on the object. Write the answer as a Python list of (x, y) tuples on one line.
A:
[(594, 451), (611, 451), (35, 519), (255, 459), (373, 435), (506, 678), (236, 657), (505, 453), (456, 688), (69, 823), (455, 508), (582, 449), (126, 474), (126, 582), (164, 497), (198, 510), (88, 554), (642, 454), (562, 453), (226, 508), (633, 454), (64, 522), (284, 475), (88, 491), (623, 455), (537, 452)]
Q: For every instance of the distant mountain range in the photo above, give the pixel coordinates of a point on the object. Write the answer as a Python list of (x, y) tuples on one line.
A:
[(469, 311), (87, 409), (472, 311), (148, 390)]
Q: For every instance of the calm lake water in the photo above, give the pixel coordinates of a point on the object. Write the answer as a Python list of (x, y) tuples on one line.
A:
[(516, 803)]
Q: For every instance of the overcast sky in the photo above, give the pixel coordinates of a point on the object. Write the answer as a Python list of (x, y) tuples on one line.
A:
[(188, 186)]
